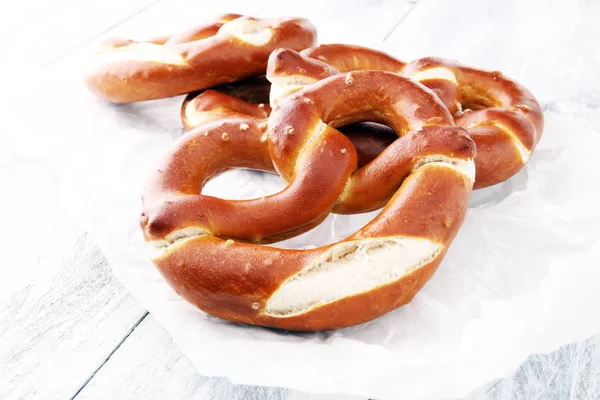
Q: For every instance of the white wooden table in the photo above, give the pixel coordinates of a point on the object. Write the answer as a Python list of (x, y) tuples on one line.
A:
[(68, 328)]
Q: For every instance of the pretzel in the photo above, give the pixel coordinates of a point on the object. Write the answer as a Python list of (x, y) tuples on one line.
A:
[(214, 105), (203, 244), (234, 47), (240, 98), (247, 98), (502, 116), (346, 58)]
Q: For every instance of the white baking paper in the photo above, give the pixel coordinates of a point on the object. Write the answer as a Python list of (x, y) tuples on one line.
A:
[(521, 277)]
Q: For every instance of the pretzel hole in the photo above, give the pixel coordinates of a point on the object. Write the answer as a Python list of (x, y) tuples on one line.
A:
[(369, 131), (243, 184), (253, 90), (369, 138)]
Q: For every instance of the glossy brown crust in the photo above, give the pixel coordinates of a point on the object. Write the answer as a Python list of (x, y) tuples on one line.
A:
[(234, 281), (284, 63), (265, 219), (205, 57), (288, 72), (372, 96), (246, 99), (288, 67), (347, 58), (369, 95), (480, 101), (499, 113), (320, 167), (212, 105)]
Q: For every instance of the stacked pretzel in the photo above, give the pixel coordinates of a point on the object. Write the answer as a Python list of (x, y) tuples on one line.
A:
[(349, 129)]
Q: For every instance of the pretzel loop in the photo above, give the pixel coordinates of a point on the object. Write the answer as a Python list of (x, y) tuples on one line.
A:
[(305, 121), (377, 269), (502, 116), (232, 48)]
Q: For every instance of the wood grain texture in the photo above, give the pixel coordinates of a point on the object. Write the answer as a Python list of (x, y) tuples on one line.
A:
[(571, 372), (58, 326), (150, 366), (61, 309)]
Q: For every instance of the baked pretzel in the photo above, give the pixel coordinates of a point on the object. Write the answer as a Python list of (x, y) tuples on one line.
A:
[(214, 105), (502, 116), (232, 48), (287, 72), (347, 57), (428, 172), (247, 98)]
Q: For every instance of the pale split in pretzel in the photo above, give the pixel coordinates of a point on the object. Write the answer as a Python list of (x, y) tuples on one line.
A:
[(234, 47), (201, 242), (501, 115)]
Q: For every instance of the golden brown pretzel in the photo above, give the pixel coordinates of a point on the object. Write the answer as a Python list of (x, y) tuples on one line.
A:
[(232, 48), (374, 271), (346, 58), (502, 116), (287, 72), (290, 72), (213, 105)]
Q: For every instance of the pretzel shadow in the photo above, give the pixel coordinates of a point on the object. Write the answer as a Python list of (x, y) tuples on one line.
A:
[(498, 193), (321, 336), (154, 117)]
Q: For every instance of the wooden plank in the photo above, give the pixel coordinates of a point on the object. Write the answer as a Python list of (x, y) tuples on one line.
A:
[(571, 372), (61, 313), (150, 366), (61, 309)]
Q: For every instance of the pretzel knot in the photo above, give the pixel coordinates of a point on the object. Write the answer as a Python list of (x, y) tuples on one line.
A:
[(289, 73), (424, 180), (502, 116), (231, 48)]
